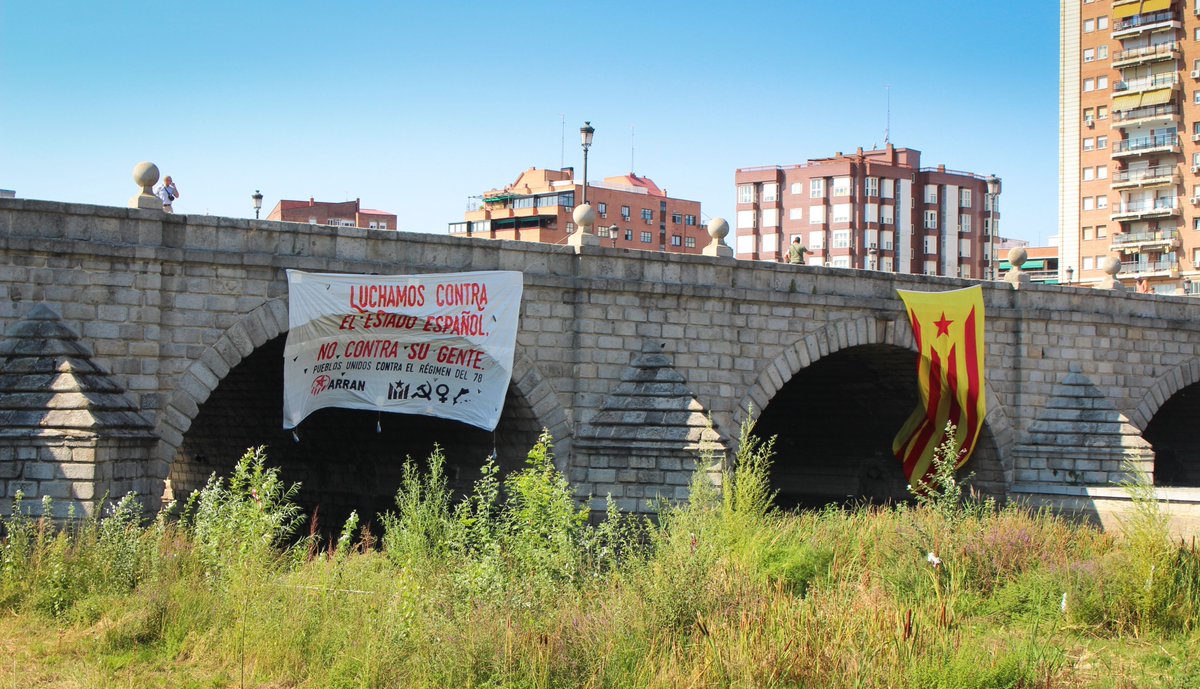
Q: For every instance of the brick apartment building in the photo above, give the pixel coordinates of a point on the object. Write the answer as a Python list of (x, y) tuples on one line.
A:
[(537, 207), (1130, 141), (344, 214), (876, 210)]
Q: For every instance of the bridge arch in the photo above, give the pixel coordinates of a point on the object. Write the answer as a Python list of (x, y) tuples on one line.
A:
[(256, 341), (1167, 415), (991, 462)]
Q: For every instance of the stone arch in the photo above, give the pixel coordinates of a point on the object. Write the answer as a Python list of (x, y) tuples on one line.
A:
[(1163, 389), (854, 332), (270, 320)]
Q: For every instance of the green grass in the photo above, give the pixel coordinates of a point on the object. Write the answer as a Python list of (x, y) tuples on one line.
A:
[(512, 587)]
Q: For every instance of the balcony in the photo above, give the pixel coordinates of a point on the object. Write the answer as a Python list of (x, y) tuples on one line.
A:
[(1144, 210), (1146, 54), (1161, 143), (1123, 28), (1146, 114), (1149, 268), (1137, 242), (1157, 81), (1145, 177)]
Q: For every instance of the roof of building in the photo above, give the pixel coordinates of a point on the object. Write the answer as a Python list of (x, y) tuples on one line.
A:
[(632, 180)]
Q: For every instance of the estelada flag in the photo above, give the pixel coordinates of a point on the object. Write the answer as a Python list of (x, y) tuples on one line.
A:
[(948, 330)]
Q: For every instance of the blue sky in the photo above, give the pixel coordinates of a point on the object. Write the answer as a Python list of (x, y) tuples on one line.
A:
[(413, 107)]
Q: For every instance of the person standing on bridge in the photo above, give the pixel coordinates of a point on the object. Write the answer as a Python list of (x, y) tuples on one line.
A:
[(796, 252), (168, 192)]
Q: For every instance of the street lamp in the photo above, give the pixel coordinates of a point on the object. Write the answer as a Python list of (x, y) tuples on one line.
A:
[(874, 254), (1070, 274), (993, 190), (257, 199), (585, 134)]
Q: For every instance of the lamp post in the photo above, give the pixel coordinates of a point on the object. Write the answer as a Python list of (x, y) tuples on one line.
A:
[(993, 191), (874, 254), (1070, 274), (585, 135), (257, 199)]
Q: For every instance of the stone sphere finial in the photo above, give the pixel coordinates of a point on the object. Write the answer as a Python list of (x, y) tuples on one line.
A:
[(584, 215), (145, 175), (718, 228), (1110, 265), (1017, 256)]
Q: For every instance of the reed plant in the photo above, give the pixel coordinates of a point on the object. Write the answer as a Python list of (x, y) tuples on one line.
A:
[(514, 586)]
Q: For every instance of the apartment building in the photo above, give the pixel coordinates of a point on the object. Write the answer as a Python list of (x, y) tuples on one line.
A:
[(631, 212), (876, 210), (1130, 141), (341, 214)]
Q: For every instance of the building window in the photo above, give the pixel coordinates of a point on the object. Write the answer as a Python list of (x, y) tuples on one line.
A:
[(1089, 55), (676, 240), (689, 242), (797, 188), (964, 248), (1087, 233), (646, 237), (1087, 114), (1088, 203), (841, 186), (966, 271), (1102, 23), (816, 187), (1102, 112), (676, 218), (796, 213), (840, 262), (885, 241), (871, 212), (745, 219), (930, 193), (602, 209), (1102, 52), (816, 241), (770, 192), (888, 188), (648, 215), (886, 216), (841, 212), (770, 217), (931, 220), (1089, 85), (1101, 231), (1089, 25), (816, 215), (689, 220), (745, 193), (872, 186), (964, 198), (625, 213), (931, 245), (964, 223), (1101, 83), (383, 224), (1089, 144), (372, 225), (1101, 202), (1088, 263), (1088, 174), (601, 231), (629, 235), (1101, 172), (1101, 143)]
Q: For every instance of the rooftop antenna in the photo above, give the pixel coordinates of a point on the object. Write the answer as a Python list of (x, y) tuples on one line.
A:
[(887, 128), (562, 142), (631, 149)]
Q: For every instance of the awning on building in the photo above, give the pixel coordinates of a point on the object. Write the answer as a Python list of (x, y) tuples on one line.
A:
[(1155, 97), (1125, 11), (1155, 6), (1128, 102)]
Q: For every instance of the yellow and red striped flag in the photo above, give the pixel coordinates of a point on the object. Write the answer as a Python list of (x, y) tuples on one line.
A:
[(948, 330)]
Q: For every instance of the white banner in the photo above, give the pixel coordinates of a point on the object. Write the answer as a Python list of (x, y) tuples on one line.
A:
[(438, 345)]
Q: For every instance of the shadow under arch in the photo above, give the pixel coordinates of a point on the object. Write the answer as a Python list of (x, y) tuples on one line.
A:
[(1168, 415), (346, 459), (837, 397)]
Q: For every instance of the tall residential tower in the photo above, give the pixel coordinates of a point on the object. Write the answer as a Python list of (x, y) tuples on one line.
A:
[(1130, 141)]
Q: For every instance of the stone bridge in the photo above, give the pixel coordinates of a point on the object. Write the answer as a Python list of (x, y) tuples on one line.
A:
[(142, 351)]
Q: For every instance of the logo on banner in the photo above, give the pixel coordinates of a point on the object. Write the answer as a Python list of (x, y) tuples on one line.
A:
[(320, 383)]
